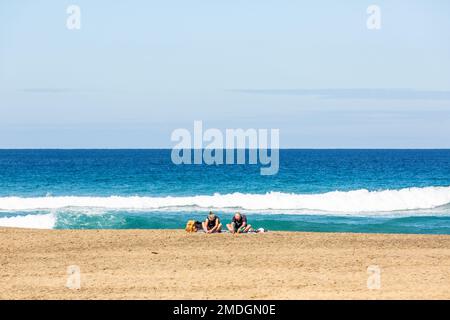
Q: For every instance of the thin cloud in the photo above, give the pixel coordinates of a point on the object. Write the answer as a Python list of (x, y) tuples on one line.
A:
[(363, 94), (47, 90), (55, 90)]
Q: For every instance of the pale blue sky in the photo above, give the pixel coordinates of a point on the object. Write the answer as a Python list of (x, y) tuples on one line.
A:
[(137, 70)]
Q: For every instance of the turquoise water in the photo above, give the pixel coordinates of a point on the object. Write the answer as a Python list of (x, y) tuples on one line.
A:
[(387, 191)]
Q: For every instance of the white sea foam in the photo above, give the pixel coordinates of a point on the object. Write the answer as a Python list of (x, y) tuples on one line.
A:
[(35, 221), (357, 201)]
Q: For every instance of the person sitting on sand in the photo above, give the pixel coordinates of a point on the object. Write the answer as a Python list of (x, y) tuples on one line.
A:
[(239, 224), (212, 223)]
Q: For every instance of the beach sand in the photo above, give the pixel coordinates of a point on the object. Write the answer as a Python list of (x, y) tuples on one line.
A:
[(169, 264)]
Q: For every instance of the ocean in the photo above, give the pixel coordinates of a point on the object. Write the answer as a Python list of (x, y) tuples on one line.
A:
[(375, 191)]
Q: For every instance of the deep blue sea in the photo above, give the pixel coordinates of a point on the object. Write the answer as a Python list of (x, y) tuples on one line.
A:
[(382, 191)]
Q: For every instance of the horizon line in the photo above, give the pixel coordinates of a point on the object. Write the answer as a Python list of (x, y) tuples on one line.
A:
[(341, 148)]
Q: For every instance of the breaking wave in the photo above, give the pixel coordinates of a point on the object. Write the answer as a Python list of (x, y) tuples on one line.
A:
[(33, 221), (356, 201)]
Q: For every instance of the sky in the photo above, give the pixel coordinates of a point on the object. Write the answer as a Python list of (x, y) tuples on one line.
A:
[(137, 70)]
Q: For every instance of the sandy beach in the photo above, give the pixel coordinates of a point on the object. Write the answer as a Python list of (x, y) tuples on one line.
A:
[(169, 264)]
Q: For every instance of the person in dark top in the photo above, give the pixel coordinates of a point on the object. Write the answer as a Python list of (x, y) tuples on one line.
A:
[(239, 224), (212, 223)]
